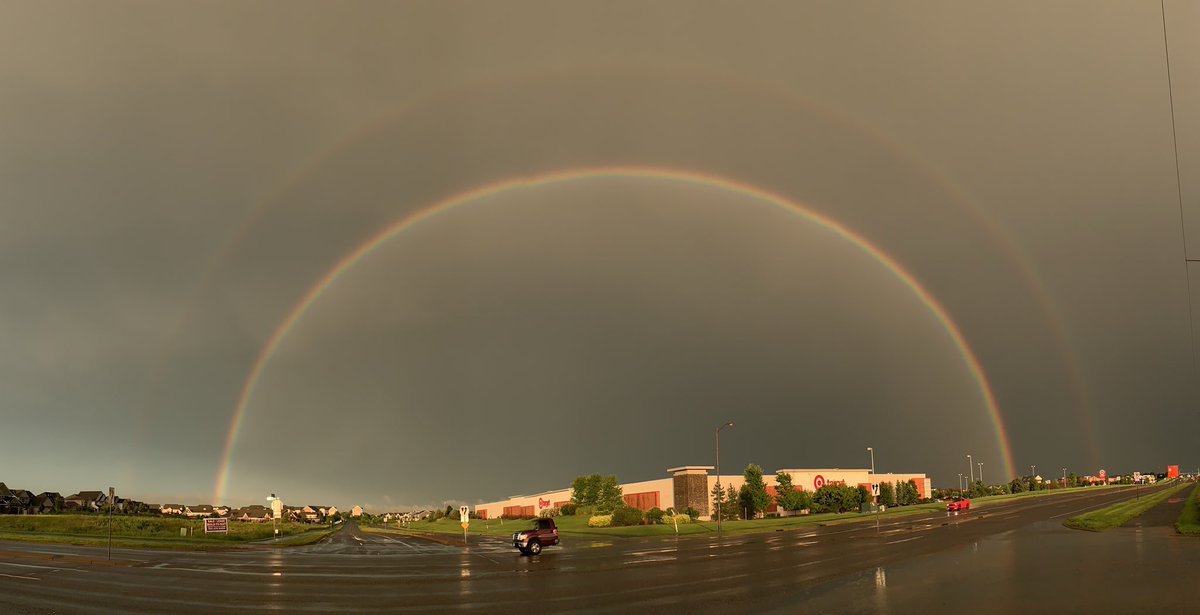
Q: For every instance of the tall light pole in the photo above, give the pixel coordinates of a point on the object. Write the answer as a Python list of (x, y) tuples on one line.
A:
[(960, 488), (980, 464), (970, 469), (872, 452), (1032, 471), (721, 494), (1064, 477)]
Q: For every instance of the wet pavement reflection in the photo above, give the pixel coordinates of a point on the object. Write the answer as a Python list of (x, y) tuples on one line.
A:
[(1040, 568)]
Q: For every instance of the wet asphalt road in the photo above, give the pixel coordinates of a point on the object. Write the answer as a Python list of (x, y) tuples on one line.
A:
[(902, 565)]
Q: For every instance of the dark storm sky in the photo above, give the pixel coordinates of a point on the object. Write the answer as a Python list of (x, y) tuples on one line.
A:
[(174, 178)]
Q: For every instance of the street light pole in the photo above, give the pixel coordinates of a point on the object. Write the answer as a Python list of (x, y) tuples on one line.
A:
[(720, 493), (980, 464), (872, 451), (970, 470), (960, 486)]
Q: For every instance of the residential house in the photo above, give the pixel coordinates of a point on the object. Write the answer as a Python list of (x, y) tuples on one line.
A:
[(48, 502), (85, 501), (253, 513), (331, 511), (356, 511), (198, 510), (23, 499), (221, 511), (7, 501), (171, 509), (315, 513)]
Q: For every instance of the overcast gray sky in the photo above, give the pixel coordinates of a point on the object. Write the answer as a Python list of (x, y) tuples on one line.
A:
[(175, 177)]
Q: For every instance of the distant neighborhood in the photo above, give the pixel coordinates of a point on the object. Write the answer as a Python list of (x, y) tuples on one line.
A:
[(25, 502)]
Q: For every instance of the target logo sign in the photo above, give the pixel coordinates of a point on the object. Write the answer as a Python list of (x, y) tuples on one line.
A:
[(818, 482)]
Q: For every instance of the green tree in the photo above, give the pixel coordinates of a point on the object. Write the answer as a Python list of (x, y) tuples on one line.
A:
[(835, 498), (1017, 486), (608, 495), (887, 493), (756, 487), (787, 497), (745, 502), (718, 501), (906, 493), (585, 490), (864, 495)]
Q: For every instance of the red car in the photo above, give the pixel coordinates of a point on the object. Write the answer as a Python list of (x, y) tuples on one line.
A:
[(956, 504), (543, 534)]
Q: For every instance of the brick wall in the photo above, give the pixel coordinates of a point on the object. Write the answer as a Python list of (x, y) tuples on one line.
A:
[(691, 490)]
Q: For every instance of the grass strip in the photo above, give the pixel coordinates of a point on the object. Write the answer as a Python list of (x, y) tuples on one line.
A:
[(1188, 523), (1120, 513), (149, 532)]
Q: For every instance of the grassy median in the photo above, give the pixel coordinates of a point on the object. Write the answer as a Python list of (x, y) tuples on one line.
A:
[(1122, 512), (142, 530), (1189, 520)]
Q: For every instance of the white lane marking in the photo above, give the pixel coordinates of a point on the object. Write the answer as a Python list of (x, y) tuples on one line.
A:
[(905, 540), (14, 576), (35, 566)]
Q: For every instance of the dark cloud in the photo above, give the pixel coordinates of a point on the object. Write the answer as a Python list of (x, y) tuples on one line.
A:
[(176, 177)]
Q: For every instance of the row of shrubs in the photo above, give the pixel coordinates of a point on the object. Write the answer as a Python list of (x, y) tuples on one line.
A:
[(632, 516)]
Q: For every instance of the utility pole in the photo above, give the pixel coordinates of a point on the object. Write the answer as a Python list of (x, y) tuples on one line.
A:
[(111, 494), (970, 469), (980, 464), (720, 493)]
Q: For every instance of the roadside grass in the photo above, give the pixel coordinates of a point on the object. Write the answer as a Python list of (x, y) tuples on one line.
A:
[(576, 525), (1120, 513), (137, 530), (1188, 523)]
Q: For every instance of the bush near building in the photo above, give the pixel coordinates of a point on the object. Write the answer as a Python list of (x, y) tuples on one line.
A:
[(627, 516), (600, 521), (655, 515)]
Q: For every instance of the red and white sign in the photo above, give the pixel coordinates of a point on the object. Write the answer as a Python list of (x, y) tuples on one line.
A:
[(818, 482), (543, 503), (1172, 471), (1103, 475), (216, 526)]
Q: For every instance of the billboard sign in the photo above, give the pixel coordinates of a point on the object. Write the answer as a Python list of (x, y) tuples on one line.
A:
[(1172, 471), (1103, 475), (216, 526)]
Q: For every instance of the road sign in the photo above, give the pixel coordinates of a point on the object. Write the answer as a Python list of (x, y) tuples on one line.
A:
[(464, 514), (216, 526), (875, 489)]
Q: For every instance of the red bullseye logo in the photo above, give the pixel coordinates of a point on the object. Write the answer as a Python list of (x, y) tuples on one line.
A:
[(818, 482)]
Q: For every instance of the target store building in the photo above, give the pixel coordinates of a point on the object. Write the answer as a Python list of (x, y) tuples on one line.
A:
[(691, 486)]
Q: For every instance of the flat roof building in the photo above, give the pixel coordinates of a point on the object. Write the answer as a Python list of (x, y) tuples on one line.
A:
[(690, 486)]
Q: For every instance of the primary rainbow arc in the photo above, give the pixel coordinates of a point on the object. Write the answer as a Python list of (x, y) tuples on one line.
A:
[(296, 313)]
